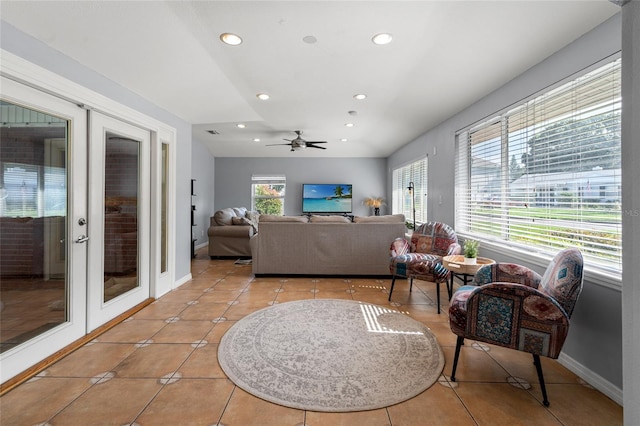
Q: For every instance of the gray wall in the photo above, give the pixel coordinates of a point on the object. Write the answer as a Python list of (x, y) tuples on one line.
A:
[(631, 208), (38, 53), (595, 338), (233, 179), (203, 171)]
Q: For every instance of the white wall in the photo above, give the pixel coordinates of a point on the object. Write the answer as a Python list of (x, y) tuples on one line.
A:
[(594, 345)]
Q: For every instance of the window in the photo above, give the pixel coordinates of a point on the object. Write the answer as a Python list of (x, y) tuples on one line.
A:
[(267, 194), (545, 175), (403, 199)]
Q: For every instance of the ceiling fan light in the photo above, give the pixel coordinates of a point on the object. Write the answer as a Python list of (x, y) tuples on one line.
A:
[(256, 139), (231, 39), (344, 140), (349, 124), (263, 96), (241, 125), (382, 39), (359, 96)]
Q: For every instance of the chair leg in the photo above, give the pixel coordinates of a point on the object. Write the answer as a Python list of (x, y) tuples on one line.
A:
[(459, 344), (410, 284), (438, 295), (393, 282), (536, 362)]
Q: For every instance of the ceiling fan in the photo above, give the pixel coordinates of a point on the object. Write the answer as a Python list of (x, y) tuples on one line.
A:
[(298, 143)]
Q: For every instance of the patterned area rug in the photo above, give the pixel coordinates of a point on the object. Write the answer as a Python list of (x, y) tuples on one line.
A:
[(331, 355)]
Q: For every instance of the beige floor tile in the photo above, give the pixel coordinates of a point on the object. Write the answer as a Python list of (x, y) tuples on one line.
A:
[(176, 405), (260, 286), (258, 296), (473, 365), (247, 410), (219, 296), (38, 400), (180, 296), (333, 294), (375, 298), (204, 311), (161, 311), (154, 360), (203, 363), (115, 402), (298, 285), (582, 405), (240, 310), (503, 404), (520, 364), (183, 331), (438, 405), (369, 418), (132, 331), (290, 296), (219, 329), (332, 284), (91, 360), (443, 333)]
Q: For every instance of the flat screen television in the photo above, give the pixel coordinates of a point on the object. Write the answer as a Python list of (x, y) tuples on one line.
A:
[(326, 198)]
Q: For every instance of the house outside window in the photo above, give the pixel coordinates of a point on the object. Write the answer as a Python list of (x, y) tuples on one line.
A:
[(402, 199), (267, 194), (546, 174)]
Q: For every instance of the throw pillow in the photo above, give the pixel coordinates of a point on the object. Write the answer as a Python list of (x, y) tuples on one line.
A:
[(224, 216)]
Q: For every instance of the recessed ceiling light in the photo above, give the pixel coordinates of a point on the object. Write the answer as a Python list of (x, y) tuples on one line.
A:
[(360, 96), (231, 39), (382, 38), (349, 124), (344, 140), (256, 139), (241, 125), (262, 96)]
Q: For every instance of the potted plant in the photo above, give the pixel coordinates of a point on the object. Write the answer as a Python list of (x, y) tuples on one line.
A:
[(470, 249), (376, 203)]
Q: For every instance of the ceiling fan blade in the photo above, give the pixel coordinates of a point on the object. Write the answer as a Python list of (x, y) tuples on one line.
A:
[(274, 144), (313, 146), (316, 141)]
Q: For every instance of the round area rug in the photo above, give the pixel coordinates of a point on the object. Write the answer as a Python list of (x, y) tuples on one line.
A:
[(331, 355)]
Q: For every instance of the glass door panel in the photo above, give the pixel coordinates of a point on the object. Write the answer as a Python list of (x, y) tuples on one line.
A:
[(119, 182), (42, 197), (122, 168)]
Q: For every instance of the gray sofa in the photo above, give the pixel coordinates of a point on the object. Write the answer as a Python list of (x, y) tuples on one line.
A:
[(229, 232), (325, 245)]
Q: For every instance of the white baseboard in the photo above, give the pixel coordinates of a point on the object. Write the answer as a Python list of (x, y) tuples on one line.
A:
[(595, 380), (199, 246), (182, 280)]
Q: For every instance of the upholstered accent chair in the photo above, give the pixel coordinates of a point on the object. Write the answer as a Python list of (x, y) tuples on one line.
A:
[(422, 257), (511, 306)]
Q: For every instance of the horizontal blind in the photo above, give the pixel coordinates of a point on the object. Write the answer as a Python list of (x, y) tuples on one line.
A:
[(546, 174), (402, 198)]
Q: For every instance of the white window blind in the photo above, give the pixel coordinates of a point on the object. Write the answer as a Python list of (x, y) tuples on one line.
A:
[(546, 175), (267, 194), (402, 199)]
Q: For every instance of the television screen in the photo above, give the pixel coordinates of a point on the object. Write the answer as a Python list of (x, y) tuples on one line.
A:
[(326, 198)]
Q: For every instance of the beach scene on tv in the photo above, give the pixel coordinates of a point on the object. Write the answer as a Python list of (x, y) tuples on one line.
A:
[(326, 198)]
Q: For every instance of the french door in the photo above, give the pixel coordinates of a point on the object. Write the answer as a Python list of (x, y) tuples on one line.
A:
[(74, 223)]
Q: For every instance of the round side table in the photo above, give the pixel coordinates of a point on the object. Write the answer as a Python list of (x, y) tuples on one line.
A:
[(458, 268)]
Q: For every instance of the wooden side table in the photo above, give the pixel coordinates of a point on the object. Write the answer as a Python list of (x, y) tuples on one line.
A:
[(458, 268)]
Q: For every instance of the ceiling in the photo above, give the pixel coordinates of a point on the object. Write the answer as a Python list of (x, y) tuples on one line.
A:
[(444, 56)]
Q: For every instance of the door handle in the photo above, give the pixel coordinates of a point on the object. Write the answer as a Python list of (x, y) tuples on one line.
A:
[(82, 239)]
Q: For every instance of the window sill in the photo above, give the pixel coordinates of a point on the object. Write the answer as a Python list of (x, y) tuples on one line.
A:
[(598, 276)]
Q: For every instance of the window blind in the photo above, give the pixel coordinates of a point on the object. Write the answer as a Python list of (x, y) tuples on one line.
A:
[(545, 174), (402, 199)]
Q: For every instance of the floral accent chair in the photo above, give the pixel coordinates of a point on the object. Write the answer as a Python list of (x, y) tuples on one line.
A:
[(511, 306), (422, 258)]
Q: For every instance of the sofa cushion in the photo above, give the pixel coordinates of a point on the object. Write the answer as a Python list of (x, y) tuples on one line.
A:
[(224, 216), (390, 218), (276, 218), (330, 219), (240, 221), (240, 211)]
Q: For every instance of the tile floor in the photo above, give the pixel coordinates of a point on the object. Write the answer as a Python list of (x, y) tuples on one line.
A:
[(159, 367)]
